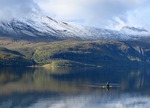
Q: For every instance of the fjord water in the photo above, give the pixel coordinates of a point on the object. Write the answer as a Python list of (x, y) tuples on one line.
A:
[(74, 88)]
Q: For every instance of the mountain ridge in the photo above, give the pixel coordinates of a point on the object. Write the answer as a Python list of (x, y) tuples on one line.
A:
[(48, 29)]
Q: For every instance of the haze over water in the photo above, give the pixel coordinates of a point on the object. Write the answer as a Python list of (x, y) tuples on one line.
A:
[(74, 88)]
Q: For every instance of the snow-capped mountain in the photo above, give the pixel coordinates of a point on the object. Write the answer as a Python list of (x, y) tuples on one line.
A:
[(135, 31), (43, 27)]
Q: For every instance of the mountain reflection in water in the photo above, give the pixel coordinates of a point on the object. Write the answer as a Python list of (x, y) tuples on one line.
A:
[(63, 87)]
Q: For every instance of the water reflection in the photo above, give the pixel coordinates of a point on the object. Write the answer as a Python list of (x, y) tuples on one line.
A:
[(76, 101), (39, 79), (61, 88), (90, 101)]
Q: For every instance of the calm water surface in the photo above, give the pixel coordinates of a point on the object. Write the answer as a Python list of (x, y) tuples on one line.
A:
[(74, 88)]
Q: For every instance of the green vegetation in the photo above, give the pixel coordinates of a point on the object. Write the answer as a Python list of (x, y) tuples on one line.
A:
[(13, 58), (75, 53)]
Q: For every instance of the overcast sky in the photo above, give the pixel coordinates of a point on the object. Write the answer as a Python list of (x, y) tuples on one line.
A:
[(99, 13)]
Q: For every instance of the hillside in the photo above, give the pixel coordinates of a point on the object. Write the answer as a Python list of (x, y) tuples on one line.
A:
[(77, 53), (13, 58)]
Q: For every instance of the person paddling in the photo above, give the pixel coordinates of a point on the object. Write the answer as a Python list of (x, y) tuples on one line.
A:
[(107, 86)]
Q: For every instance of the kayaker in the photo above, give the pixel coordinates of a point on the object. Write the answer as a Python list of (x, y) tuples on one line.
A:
[(107, 86)]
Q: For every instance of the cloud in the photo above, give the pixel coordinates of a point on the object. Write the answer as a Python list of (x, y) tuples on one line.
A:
[(139, 17), (17, 8), (99, 13)]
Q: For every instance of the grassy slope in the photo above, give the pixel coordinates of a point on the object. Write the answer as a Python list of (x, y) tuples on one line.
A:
[(98, 53), (10, 57), (76, 53)]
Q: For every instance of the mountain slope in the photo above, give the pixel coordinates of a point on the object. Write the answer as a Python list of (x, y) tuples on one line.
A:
[(96, 53), (44, 28), (13, 58), (79, 53)]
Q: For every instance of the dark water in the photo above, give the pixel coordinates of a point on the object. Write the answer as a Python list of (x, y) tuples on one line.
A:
[(74, 88)]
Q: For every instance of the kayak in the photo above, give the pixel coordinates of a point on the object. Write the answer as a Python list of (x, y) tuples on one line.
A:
[(104, 86)]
